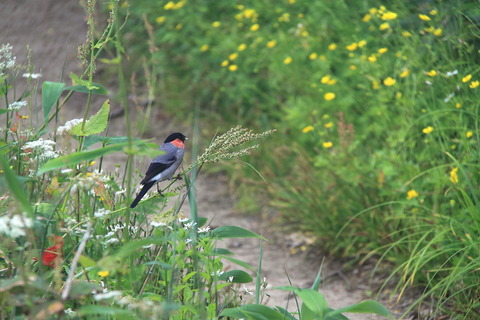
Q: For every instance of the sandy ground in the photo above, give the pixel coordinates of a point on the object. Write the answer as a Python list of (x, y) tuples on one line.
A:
[(53, 29)]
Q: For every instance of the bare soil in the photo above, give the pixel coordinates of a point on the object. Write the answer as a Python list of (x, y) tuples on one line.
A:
[(53, 29)]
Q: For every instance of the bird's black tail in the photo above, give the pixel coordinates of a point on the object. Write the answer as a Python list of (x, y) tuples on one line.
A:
[(142, 192)]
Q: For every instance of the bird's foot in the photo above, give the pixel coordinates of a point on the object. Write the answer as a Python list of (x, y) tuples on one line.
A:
[(178, 177)]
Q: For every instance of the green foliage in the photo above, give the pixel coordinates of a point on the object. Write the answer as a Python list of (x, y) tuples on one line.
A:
[(377, 112)]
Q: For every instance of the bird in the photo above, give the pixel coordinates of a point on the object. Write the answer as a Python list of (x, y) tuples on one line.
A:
[(163, 166)]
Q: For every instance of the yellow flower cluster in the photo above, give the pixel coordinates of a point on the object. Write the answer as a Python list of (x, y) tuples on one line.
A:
[(246, 13), (412, 194), (174, 6)]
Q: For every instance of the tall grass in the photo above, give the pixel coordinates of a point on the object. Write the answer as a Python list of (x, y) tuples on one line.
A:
[(377, 111)]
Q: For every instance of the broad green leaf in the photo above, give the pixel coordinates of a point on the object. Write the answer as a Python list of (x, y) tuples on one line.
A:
[(96, 124), (287, 315), (234, 232), (77, 157), (240, 263), (2, 111), (87, 262), (314, 300), (236, 276), (367, 306), (253, 312), (15, 187), (51, 92), (92, 139), (222, 252)]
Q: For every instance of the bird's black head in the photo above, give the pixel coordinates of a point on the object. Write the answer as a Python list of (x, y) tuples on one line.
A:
[(174, 136)]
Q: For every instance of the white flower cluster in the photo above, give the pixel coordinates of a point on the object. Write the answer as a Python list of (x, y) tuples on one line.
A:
[(15, 226), (17, 105), (101, 213), (43, 148), (32, 75), (68, 125), (7, 61)]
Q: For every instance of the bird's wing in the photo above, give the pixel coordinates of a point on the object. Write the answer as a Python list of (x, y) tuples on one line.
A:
[(158, 165)]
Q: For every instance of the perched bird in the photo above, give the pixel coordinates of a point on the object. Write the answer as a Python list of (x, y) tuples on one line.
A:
[(164, 166)]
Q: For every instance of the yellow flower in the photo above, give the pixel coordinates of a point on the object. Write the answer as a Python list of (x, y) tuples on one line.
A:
[(433, 12), (372, 10), (160, 20), (271, 43), (469, 134), (467, 78), (389, 81), (361, 43), (382, 50), (328, 125), (104, 273), (179, 26), (384, 26), (254, 27), (331, 82), (474, 84), (412, 194), (375, 85), (454, 176), (329, 96), (322, 57), (325, 79), (424, 17), (372, 58), (288, 60), (366, 17), (233, 67), (332, 46), (431, 73), (352, 46), (404, 73), (389, 15), (204, 48), (170, 5), (438, 32), (458, 105), (313, 56), (233, 56), (352, 67), (291, 1), (428, 130), (216, 24), (406, 34), (327, 144), (242, 47), (225, 63), (307, 129)]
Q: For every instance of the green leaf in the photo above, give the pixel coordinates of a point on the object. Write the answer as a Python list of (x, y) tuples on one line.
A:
[(285, 313), (96, 124), (92, 139), (2, 111), (15, 187), (77, 157), (253, 312), (234, 232), (367, 306), (236, 276), (87, 262), (51, 92), (222, 252), (314, 300)]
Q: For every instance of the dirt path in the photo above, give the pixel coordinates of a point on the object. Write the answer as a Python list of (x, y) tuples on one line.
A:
[(53, 29)]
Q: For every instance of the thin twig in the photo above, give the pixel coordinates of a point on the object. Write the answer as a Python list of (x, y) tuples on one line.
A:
[(71, 274)]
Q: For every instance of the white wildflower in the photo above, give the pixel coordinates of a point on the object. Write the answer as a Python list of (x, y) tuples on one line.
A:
[(107, 295), (247, 291), (204, 230), (17, 105), (44, 148), (451, 73), (188, 226), (188, 241), (112, 240), (117, 193), (428, 83), (68, 125), (183, 220), (32, 75), (449, 97), (66, 170), (230, 279), (158, 224), (7, 61), (15, 226), (101, 213), (218, 273)]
